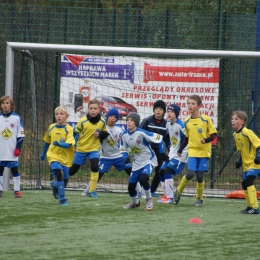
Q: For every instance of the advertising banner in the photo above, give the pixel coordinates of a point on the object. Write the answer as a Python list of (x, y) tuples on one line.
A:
[(133, 84)]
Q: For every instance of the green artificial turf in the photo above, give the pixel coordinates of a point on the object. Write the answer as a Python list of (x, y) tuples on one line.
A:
[(37, 227)]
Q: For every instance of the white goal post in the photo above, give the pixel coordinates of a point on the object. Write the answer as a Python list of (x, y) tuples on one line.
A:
[(11, 47)]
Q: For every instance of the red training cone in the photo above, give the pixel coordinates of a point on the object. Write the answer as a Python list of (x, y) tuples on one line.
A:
[(195, 221)]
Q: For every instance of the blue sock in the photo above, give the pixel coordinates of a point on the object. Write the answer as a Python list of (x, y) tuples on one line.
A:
[(60, 186)]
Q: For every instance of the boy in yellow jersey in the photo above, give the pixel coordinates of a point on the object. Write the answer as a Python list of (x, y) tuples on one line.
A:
[(200, 131), (90, 130), (249, 146), (59, 146)]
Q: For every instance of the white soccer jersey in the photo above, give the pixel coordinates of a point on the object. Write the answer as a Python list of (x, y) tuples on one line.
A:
[(177, 134), (110, 147), (139, 143), (11, 128)]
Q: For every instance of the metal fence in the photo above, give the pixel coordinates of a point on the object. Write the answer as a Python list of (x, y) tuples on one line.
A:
[(208, 25)]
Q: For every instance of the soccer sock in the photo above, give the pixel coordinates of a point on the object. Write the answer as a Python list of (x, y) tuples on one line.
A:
[(182, 185), (200, 189), (16, 181), (135, 199), (163, 187), (147, 193), (1, 182), (247, 198), (60, 186), (93, 182), (87, 189), (169, 186), (252, 197), (138, 187)]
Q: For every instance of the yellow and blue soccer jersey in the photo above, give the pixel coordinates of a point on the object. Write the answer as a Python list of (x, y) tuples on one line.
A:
[(11, 128), (196, 130), (63, 134), (86, 141), (247, 142)]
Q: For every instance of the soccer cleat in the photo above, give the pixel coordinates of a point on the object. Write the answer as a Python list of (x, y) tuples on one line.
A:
[(198, 203), (160, 200), (132, 205), (18, 194), (149, 204), (84, 193), (167, 201), (252, 211), (92, 194), (55, 191), (155, 195), (64, 203), (177, 197), (141, 195), (246, 209), (1, 194)]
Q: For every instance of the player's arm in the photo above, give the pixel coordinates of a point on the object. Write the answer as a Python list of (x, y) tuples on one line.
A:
[(18, 147), (183, 145), (61, 144), (257, 156), (209, 139), (162, 153), (239, 162), (166, 139), (44, 150)]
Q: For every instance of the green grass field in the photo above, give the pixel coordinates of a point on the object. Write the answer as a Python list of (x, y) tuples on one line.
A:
[(37, 227)]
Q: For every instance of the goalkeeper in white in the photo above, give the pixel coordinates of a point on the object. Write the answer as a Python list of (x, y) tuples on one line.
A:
[(144, 158)]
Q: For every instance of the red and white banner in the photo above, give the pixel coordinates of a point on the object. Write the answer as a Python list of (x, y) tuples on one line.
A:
[(135, 83)]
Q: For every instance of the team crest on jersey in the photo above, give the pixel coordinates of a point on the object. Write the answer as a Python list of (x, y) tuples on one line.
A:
[(200, 130), (12, 125), (138, 141), (177, 133), (6, 133), (62, 140)]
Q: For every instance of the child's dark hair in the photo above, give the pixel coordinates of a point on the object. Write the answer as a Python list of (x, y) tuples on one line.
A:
[(196, 98), (4, 98), (242, 115)]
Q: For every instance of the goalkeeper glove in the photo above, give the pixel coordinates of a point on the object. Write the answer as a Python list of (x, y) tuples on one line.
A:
[(17, 152), (257, 157)]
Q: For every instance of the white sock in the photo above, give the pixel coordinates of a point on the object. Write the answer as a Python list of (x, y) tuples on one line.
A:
[(1, 182), (135, 199), (16, 181), (148, 194), (86, 190), (138, 187), (163, 187), (169, 188)]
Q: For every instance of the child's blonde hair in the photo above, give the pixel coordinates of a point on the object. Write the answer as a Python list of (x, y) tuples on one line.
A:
[(62, 108), (94, 101), (196, 98), (242, 115), (4, 98)]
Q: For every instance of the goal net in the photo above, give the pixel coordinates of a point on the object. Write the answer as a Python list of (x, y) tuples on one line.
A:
[(41, 77)]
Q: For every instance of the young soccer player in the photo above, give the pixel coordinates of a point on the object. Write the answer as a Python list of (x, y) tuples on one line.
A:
[(90, 130), (144, 159), (249, 146), (200, 131), (156, 124), (11, 139), (176, 133), (111, 153), (59, 147)]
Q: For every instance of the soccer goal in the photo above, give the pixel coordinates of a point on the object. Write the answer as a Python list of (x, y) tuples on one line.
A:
[(42, 76)]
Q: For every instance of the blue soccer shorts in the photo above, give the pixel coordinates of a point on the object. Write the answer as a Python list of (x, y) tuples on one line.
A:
[(176, 166), (80, 158), (198, 164), (105, 164), (135, 175), (58, 166)]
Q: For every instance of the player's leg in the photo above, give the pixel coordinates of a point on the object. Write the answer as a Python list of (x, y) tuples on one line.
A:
[(94, 160), (135, 202), (168, 185), (2, 167), (79, 159), (144, 181), (251, 175), (244, 186), (162, 180), (156, 177), (16, 179)]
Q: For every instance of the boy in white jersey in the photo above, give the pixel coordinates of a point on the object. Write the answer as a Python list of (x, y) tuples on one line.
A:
[(200, 131), (249, 146), (176, 133), (111, 154), (11, 139), (59, 147), (144, 158)]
